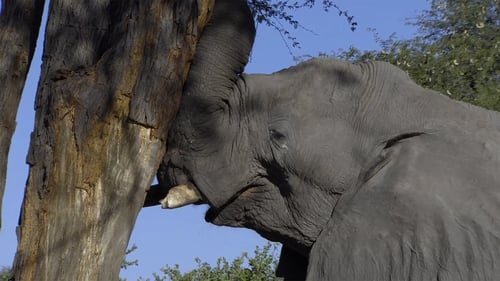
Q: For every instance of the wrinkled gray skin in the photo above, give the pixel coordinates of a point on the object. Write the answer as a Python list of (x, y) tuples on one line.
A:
[(359, 172)]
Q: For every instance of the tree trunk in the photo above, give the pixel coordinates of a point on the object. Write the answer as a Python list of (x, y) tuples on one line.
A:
[(111, 83), (19, 25)]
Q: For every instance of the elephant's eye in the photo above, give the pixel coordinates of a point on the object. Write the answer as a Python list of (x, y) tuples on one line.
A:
[(278, 138)]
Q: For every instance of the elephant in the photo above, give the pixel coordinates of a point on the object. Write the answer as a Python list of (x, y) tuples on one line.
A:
[(360, 173)]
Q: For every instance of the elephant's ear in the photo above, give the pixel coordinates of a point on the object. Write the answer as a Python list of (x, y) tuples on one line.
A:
[(292, 265), (425, 213)]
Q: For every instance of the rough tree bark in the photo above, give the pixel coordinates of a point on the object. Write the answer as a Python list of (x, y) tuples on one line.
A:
[(19, 25), (111, 82)]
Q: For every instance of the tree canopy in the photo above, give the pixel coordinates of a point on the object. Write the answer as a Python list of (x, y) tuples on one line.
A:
[(260, 266), (456, 51)]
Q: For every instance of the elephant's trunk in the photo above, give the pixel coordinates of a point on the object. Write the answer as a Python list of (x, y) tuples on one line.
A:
[(223, 50), (220, 58)]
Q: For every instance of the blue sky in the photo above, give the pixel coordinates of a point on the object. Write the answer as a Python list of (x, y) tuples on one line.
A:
[(178, 236)]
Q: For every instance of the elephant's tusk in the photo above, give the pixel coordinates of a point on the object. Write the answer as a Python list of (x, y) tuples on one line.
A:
[(179, 196)]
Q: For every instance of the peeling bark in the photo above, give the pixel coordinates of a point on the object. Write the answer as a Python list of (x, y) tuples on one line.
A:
[(111, 83), (19, 25)]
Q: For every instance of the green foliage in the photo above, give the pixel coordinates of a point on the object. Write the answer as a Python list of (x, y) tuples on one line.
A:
[(457, 51), (5, 273), (259, 267)]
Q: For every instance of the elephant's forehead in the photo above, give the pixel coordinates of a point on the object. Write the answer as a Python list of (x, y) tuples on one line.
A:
[(307, 90)]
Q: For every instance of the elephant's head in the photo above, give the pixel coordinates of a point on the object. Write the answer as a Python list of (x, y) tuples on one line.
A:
[(275, 153), (247, 149)]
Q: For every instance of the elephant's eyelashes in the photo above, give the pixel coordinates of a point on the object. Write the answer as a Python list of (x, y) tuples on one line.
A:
[(276, 135), (278, 138)]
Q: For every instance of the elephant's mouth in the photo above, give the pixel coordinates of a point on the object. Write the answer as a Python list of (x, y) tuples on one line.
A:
[(214, 213), (256, 207)]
